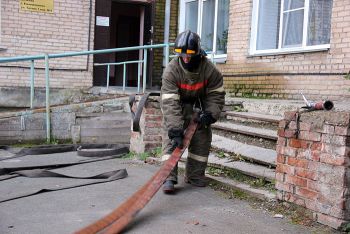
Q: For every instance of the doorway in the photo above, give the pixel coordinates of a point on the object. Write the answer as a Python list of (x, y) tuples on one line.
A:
[(129, 25)]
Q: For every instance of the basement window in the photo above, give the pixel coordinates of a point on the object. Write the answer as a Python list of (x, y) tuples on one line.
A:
[(290, 26), (210, 19)]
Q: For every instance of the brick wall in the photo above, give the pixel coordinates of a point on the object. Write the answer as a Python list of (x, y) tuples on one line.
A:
[(318, 74), (33, 33), (159, 35), (150, 135), (313, 164)]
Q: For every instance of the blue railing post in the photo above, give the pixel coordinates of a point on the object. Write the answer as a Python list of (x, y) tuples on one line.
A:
[(138, 76), (47, 78), (124, 77), (31, 84), (108, 71), (144, 70)]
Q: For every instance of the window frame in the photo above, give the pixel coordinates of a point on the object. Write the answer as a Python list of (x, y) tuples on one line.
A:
[(182, 20), (303, 48)]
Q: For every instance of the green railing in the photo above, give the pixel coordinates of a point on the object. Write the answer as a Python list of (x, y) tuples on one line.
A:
[(47, 57)]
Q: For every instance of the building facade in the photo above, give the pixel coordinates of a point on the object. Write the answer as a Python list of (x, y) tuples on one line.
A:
[(276, 48), (264, 48)]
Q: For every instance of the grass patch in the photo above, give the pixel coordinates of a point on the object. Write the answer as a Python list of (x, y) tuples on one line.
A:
[(157, 152), (240, 177), (29, 144)]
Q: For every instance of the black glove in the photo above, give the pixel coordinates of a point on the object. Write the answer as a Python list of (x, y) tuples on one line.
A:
[(176, 136), (205, 118)]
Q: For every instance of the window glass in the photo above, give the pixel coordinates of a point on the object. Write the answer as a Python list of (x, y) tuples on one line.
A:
[(293, 4), (319, 22), (191, 17), (208, 25), (222, 27), (268, 24), (292, 35)]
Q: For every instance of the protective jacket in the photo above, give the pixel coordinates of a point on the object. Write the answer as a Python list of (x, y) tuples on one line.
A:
[(179, 87)]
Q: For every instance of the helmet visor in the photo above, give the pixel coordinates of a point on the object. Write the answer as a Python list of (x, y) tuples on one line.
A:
[(187, 52)]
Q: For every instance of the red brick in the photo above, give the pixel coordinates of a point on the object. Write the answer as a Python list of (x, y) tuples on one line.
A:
[(314, 166), (281, 141), (328, 129), (284, 187), (332, 159), (297, 162), (151, 138), (312, 175), (316, 146), (315, 156), (152, 111), (153, 124), (331, 149), (309, 194), (313, 185), (298, 181), (304, 154), (156, 118), (310, 136), (342, 130), (282, 168), (304, 126), (282, 124), (334, 139), (281, 158), (290, 115), (295, 199), (330, 221), (286, 133), (296, 143), (292, 125)]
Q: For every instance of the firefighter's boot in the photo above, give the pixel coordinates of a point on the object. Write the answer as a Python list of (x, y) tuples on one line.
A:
[(195, 173), (168, 187)]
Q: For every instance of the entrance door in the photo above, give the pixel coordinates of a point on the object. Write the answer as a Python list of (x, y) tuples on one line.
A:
[(128, 24)]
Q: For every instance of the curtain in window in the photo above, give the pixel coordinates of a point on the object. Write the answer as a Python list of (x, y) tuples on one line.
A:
[(191, 17), (208, 25), (293, 20), (268, 24), (319, 22), (222, 27)]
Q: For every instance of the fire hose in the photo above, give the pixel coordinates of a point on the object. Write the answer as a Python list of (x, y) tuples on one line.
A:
[(119, 218)]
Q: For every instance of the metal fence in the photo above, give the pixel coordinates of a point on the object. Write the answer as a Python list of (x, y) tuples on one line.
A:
[(47, 57)]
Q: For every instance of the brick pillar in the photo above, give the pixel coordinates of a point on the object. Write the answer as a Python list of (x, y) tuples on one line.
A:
[(150, 135), (313, 164)]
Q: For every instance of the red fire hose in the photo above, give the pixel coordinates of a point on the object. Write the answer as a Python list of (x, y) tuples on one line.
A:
[(123, 215)]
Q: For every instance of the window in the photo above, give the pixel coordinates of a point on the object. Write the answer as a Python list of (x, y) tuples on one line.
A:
[(208, 18), (286, 26)]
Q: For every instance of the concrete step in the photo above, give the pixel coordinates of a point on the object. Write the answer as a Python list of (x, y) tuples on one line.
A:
[(267, 106), (249, 169), (246, 188), (251, 116), (255, 192), (246, 130), (249, 152), (228, 182)]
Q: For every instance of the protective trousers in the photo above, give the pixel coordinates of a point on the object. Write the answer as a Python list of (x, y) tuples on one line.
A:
[(198, 151)]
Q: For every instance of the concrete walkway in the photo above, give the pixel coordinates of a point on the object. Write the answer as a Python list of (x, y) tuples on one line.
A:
[(191, 210)]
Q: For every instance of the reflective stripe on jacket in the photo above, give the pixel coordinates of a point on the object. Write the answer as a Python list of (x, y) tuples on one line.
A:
[(181, 86)]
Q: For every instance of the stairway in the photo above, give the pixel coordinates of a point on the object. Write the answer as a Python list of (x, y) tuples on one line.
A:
[(243, 152)]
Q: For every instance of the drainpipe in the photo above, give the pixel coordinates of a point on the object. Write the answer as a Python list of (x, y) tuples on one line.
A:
[(166, 32)]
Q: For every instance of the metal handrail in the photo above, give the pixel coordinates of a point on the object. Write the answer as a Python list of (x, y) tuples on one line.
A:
[(124, 72), (47, 57)]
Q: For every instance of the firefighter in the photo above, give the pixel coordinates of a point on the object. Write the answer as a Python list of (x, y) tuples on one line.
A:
[(190, 83)]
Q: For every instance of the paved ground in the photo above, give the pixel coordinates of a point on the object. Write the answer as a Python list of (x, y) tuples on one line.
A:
[(191, 210)]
